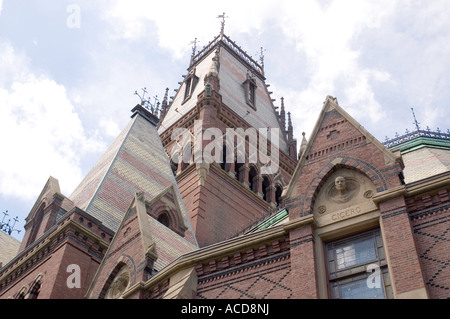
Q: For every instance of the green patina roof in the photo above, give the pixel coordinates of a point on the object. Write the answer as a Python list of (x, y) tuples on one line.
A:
[(271, 221)]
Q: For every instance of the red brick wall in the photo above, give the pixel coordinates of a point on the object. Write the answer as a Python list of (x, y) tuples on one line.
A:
[(126, 250), (220, 209), (404, 265), (303, 265), (432, 236), (261, 273)]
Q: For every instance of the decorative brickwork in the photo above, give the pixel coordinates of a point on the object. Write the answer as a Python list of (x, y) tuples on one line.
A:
[(432, 236), (262, 273)]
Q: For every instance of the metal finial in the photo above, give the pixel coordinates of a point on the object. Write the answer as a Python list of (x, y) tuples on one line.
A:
[(415, 120), (6, 227), (194, 46), (147, 104), (261, 56), (222, 23)]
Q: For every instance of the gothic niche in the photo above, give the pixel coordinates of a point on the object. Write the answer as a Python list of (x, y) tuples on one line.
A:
[(119, 284), (344, 194)]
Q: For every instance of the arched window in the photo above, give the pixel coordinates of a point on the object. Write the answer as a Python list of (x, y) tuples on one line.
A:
[(35, 288), (224, 165), (266, 189), (164, 219), (278, 192), (119, 281), (22, 293), (252, 179)]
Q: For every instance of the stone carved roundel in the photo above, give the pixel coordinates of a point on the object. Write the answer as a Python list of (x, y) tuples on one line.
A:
[(119, 284)]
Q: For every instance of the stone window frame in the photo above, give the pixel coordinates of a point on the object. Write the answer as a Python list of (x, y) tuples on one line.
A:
[(360, 270)]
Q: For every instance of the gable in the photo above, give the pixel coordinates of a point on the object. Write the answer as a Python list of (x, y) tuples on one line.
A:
[(141, 247), (338, 141)]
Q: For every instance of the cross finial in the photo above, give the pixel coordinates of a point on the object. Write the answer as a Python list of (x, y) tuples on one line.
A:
[(261, 55), (415, 120), (223, 17)]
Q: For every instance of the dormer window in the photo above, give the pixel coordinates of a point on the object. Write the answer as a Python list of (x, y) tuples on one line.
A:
[(190, 81), (250, 90)]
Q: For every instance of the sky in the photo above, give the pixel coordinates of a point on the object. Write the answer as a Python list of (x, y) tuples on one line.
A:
[(69, 70)]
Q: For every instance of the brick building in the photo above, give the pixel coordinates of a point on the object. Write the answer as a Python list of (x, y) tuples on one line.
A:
[(176, 209)]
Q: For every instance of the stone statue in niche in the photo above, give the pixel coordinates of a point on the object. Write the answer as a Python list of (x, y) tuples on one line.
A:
[(343, 190)]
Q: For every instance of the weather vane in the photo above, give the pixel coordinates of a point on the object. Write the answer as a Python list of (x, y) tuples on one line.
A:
[(146, 103), (6, 227), (194, 46), (261, 55), (223, 17)]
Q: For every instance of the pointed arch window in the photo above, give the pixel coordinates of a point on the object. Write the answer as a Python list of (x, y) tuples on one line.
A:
[(250, 90), (266, 188), (164, 219), (278, 193), (252, 178), (190, 81)]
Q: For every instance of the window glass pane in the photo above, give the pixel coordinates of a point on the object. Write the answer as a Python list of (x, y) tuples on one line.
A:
[(355, 253), (348, 267), (359, 289)]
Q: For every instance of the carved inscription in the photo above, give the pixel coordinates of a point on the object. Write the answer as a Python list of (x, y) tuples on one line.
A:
[(345, 194)]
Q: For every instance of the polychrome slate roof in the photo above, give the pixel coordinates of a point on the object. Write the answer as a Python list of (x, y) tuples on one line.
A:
[(135, 162)]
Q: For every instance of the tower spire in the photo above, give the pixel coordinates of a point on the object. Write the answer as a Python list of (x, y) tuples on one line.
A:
[(290, 128), (165, 103), (283, 116)]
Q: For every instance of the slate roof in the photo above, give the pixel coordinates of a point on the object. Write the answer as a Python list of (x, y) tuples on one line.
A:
[(424, 154), (234, 65), (135, 162), (9, 247)]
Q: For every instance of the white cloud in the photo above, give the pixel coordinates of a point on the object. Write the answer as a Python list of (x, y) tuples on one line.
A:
[(41, 133), (324, 34), (179, 22)]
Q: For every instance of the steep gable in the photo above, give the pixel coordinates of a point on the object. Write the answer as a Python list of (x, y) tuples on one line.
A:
[(141, 247), (339, 142)]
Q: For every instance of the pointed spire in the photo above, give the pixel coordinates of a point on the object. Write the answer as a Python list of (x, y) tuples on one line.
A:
[(302, 145), (290, 129), (165, 103), (212, 77), (283, 116)]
